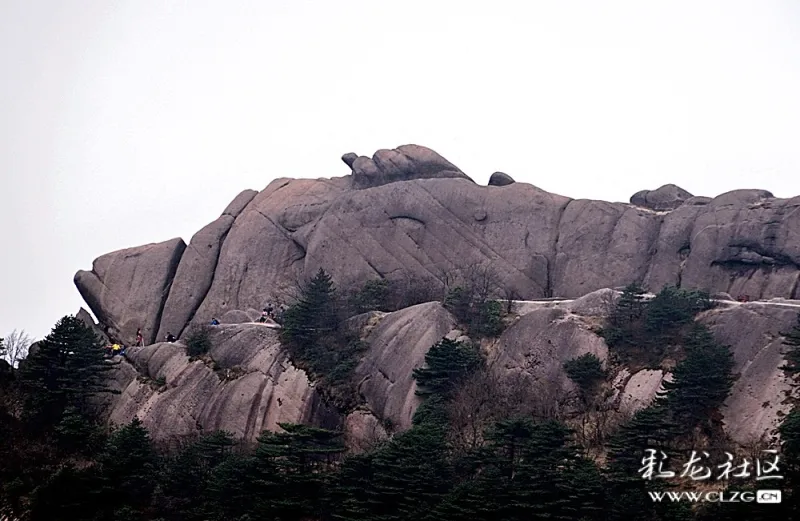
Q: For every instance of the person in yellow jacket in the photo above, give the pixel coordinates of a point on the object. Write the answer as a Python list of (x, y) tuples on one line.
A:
[(115, 349)]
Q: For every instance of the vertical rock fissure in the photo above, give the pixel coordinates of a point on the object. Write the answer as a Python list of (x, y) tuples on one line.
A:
[(551, 259), (173, 268), (210, 284), (224, 236)]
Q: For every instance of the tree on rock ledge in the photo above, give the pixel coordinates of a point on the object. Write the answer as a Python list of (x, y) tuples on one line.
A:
[(66, 371), (315, 314)]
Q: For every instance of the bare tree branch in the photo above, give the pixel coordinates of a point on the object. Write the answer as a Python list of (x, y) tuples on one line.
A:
[(16, 346)]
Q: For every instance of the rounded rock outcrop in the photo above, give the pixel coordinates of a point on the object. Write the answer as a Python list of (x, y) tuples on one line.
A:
[(667, 197), (404, 163), (350, 158), (500, 179)]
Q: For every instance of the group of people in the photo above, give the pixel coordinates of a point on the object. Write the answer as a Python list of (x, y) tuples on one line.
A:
[(118, 348), (269, 313)]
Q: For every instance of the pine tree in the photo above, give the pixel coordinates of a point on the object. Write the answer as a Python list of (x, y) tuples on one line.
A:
[(128, 471), (627, 491), (184, 478), (624, 323), (315, 314), (68, 369), (630, 305), (294, 467), (412, 474), (526, 471), (670, 309), (702, 381), (350, 495), (447, 363), (232, 492), (66, 494)]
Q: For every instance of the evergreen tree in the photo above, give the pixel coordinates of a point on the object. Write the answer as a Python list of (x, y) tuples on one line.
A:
[(77, 435), (314, 315), (587, 372), (790, 467), (670, 309), (700, 382), (374, 296), (232, 492), (351, 496), (411, 475), (630, 305), (68, 369), (293, 471), (128, 470), (526, 471), (447, 363), (624, 323), (184, 479), (67, 494)]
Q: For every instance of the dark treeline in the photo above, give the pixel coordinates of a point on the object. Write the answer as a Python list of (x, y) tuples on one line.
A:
[(59, 461)]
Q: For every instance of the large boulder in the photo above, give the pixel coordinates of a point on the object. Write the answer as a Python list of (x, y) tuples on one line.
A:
[(500, 179), (401, 164), (667, 197), (252, 387), (127, 289), (397, 346), (759, 395), (599, 241)]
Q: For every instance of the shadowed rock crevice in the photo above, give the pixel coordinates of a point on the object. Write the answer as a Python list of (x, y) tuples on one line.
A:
[(173, 268)]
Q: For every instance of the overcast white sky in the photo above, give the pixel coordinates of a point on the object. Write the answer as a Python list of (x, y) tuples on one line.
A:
[(129, 122)]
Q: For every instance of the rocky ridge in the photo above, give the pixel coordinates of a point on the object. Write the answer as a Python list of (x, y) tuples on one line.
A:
[(410, 215), (418, 224)]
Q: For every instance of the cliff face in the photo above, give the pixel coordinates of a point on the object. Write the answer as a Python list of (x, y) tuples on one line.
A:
[(391, 221), (408, 214), (254, 386)]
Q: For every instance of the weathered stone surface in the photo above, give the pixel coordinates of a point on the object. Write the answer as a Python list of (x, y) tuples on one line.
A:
[(363, 431), (193, 277), (598, 303), (540, 244), (667, 197), (239, 203), (543, 340), (264, 387), (235, 316), (500, 179), (400, 164), (697, 200), (759, 394), (349, 158), (127, 289), (640, 390), (87, 319), (741, 197), (397, 346), (601, 241)]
